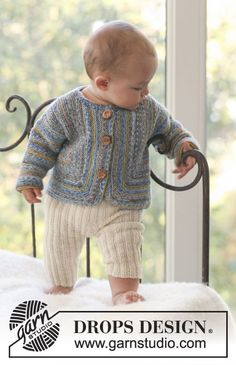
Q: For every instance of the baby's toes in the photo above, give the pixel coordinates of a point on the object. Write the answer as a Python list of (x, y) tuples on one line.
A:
[(140, 298), (132, 297)]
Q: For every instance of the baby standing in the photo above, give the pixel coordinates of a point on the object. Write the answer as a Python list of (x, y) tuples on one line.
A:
[(94, 138)]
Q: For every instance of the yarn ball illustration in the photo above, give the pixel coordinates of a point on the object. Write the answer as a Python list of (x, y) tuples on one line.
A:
[(43, 337)]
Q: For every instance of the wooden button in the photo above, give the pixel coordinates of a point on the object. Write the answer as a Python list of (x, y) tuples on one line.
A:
[(101, 174), (107, 114), (106, 140)]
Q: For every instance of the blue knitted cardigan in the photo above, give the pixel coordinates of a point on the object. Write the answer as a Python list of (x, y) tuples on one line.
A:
[(69, 139)]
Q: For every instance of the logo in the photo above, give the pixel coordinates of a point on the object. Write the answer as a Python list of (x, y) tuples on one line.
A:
[(119, 334), (34, 326)]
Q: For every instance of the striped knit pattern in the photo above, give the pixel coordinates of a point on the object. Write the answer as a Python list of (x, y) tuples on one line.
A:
[(118, 232), (68, 138)]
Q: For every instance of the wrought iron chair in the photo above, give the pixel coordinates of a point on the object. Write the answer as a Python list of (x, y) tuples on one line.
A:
[(202, 173)]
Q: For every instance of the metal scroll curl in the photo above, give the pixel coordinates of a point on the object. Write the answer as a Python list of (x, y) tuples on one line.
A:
[(199, 157), (202, 173), (28, 118)]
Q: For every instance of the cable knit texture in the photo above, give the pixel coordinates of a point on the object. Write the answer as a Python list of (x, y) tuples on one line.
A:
[(119, 234), (98, 152)]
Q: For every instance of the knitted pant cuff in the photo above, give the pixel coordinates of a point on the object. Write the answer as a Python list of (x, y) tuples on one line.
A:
[(125, 272)]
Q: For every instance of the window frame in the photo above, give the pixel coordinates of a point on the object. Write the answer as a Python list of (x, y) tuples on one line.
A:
[(186, 100)]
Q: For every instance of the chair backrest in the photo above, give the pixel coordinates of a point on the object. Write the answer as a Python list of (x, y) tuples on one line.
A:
[(203, 173)]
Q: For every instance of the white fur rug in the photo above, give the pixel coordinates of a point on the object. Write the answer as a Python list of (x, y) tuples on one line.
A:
[(22, 278)]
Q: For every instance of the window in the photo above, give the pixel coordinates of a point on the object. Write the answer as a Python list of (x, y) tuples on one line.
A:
[(40, 43), (221, 101)]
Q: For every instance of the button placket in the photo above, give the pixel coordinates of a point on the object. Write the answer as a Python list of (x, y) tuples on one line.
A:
[(106, 150)]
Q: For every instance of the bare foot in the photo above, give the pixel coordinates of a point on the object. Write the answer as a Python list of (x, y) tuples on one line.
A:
[(59, 290), (127, 298)]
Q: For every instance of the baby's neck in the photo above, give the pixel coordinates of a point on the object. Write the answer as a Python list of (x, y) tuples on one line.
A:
[(89, 94)]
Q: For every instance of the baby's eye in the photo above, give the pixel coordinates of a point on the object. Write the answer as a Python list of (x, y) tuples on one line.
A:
[(137, 88)]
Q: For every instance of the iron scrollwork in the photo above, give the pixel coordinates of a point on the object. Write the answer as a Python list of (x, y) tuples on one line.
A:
[(203, 172), (30, 119)]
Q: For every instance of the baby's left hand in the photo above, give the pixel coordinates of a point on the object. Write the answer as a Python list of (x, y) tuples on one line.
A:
[(184, 168)]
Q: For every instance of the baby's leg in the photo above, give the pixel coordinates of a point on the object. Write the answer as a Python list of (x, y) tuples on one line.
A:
[(120, 242), (62, 246), (124, 290)]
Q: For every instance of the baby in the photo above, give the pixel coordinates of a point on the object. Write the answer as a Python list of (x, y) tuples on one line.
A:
[(94, 138)]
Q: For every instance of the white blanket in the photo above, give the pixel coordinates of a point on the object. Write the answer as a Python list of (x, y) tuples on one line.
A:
[(22, 278)]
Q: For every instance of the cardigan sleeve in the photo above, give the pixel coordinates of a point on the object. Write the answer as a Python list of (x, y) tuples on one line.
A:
[(45, 141), (170, 134)]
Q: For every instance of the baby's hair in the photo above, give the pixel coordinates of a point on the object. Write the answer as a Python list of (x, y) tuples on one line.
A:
[(108, 47)]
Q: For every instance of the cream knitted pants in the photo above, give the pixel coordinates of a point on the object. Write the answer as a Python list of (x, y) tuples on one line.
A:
[(118, 231)]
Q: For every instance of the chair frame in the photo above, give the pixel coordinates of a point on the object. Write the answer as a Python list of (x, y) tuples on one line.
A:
[(202, 173)]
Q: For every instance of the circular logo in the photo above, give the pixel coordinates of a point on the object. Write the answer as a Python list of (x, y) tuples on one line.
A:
[(34, 325)]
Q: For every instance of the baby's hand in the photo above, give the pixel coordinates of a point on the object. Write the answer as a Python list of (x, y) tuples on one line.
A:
[(32, 194), (184, 168)]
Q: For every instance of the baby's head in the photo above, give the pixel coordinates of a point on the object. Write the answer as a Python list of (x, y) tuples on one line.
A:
[(120, 61)]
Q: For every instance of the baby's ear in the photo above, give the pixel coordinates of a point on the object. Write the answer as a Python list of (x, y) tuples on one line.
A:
[(102, 83)]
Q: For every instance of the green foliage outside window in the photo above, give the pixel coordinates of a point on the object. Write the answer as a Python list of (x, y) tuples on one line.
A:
[(221, 152)]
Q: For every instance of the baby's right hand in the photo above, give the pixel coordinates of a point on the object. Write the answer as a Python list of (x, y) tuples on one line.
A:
[(32, 194)]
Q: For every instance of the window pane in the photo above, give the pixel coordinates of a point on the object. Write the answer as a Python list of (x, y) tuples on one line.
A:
[(221, 61), (40, 58)]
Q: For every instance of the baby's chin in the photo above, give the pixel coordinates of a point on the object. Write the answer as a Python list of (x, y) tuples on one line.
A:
[(131, 107), (134, 107)]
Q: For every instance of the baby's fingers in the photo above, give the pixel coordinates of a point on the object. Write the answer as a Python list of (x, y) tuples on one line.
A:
[(183, 169), (31, 196), (37, 192)]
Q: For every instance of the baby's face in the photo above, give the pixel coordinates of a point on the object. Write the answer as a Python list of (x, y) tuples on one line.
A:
[(130, 88)]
